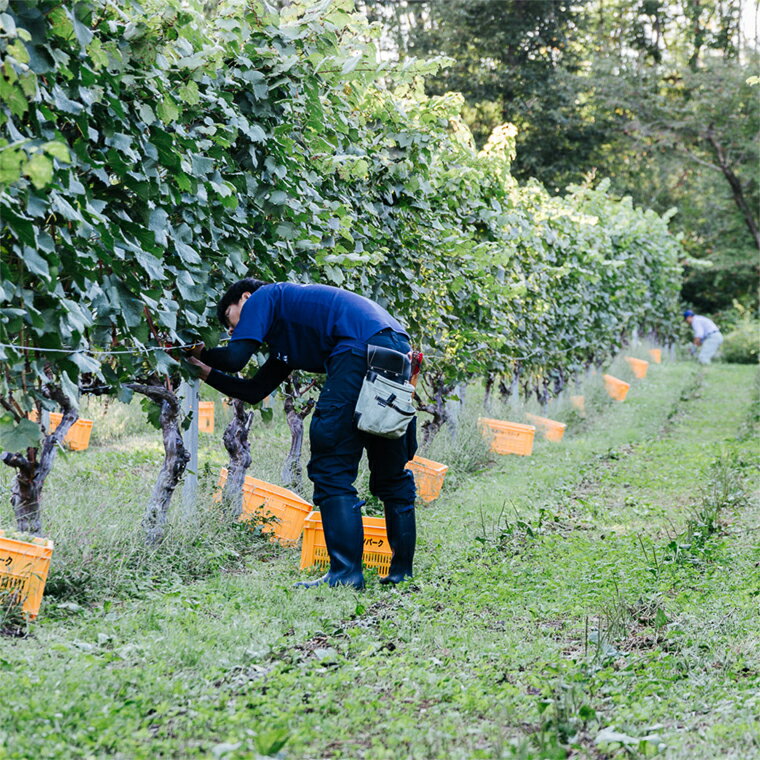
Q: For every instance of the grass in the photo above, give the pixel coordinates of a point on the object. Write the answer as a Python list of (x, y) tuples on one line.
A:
[(550, 615)]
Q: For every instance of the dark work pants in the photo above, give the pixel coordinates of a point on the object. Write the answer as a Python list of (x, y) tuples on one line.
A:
[(337, 444)]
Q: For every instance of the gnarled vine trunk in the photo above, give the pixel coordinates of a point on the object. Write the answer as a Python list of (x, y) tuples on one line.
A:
[(438, 393), (176, 458), (238, 446), (511, 390), (490, 382), (292, 470), (33, 468)]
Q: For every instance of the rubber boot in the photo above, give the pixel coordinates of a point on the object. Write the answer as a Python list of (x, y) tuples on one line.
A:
[(402, 536), (344, 536)]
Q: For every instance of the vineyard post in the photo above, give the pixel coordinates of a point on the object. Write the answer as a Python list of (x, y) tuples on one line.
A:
[(190, 392), (454, 407)]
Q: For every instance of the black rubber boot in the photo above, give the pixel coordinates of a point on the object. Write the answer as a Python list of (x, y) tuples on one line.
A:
[(344, 535), (402, 536)]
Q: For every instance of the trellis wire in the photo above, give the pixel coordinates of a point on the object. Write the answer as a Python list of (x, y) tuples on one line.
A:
[(97, 352)]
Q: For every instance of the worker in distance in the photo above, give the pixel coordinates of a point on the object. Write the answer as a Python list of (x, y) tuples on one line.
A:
[(707, 336)]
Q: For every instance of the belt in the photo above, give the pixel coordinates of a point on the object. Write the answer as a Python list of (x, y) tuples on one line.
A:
[(714, 332)]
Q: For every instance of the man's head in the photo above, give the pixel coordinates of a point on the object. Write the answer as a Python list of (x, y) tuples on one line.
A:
[(231, 304), (688, 315)]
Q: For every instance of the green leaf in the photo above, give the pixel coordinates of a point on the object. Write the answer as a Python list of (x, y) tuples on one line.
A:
[(151, 264), (350, 64), (83, 33), (17, 437), (189, 93), (35, 263), (167, 110), (146, 113), (23, 229), (71, 389), (13, 96), (158, 223), (8, 24), (152, 412), (61, 23), (28, 82), (11, 160), (125, 394), (57, 149), (18, 50), (39, 169)]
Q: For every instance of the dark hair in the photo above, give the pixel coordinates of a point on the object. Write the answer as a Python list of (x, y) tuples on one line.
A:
[(234, 294)]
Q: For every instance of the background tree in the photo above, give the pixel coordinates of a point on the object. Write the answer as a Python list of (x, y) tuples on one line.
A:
[(649, 93)]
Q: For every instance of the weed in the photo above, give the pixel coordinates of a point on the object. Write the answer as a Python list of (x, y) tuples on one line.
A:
[(13, 621), (723, 489), (510, 537), (565, 714)]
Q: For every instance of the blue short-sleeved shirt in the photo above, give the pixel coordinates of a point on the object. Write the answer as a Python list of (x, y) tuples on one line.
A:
[(304, 325)]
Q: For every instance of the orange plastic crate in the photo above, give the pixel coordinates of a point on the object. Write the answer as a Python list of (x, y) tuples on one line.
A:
[(579, 403), (639, 366), (377, 550), (205, 416), (656, 355), (552, 430), (262, 500), (24, 569), (617, 389), (78, 437), (428, 477), (508, 437)]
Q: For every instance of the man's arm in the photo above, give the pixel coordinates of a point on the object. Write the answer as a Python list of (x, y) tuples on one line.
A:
[(232, 357), (252, 390)]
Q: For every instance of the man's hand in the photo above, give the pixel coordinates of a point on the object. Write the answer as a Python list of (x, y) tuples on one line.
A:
[(204, 368), (195, 350), (697, 341)]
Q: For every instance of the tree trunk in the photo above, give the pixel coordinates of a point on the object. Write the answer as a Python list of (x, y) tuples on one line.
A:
[(292, 472), (490, 382), (437, 408), (291, 469), (238, 446), (542, 394), (32, 470), (736, 187), (175, 461), (510, 391), (559, 382)]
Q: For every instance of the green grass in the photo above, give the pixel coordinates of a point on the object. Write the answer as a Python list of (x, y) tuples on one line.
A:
[(607, 586)]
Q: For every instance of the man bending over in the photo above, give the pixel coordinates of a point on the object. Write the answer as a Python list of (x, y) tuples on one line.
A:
[(317, 328)]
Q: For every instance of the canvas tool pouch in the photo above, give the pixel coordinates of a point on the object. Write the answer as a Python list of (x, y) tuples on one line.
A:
[(384, 406)]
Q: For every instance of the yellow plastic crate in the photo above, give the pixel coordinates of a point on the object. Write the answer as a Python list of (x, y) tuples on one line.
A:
[(262, 500), (552, 430), (639, 366), (579, 403), (617, 389), (428, 477), (656, 355), (78, 437), (205, 416), (24, 568), (377, 550), (508, 437)]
